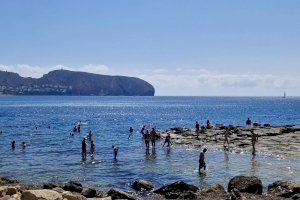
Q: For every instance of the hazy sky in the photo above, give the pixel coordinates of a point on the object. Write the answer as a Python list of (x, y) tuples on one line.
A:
[(181, 47)]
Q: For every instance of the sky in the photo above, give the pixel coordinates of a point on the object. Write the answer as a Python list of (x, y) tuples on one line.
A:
[(182, 47)]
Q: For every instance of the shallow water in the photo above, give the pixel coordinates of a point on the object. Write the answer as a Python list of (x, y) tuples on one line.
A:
[(52, 155)]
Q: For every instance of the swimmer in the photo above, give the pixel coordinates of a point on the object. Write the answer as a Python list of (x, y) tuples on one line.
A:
[(115, 149), (13, 144), (202, 163), (23, 144)]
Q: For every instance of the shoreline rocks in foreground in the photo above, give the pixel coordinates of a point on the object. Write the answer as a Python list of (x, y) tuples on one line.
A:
[(239, 188)]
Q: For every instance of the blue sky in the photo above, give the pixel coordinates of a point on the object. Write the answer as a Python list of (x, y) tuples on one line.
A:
[(181, 47)]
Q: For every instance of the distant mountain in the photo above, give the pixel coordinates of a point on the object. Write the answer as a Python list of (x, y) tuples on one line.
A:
[(64, 82)]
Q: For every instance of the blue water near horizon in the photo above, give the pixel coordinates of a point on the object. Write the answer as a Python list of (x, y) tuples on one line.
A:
[(52, 155)]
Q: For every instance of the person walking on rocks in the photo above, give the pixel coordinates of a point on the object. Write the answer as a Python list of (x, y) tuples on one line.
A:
[(226, 135), (254, 139), (202, 163), (197, 127)]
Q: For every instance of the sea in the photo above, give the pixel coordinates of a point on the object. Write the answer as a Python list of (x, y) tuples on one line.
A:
[(52, 155)]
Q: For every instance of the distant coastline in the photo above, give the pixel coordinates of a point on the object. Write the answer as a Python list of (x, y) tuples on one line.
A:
[(70, 83)]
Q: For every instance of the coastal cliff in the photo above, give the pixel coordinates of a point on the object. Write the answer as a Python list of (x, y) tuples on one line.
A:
[(64, 82)]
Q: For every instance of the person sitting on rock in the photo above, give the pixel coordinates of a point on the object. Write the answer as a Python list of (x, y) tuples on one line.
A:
[(115, 149), (202, 163), (248, 122), (208, 124)]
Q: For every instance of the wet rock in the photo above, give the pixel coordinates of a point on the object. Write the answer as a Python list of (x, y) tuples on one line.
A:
[(89, 192), (70, 196), (73, 187), (249, 184), (177, 187), (119, 194), (49, 186), (41, 195), (284, 189), (141, 184), (7, 181)]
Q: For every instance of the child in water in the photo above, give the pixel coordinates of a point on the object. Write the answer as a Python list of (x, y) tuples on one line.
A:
[(115, 149)]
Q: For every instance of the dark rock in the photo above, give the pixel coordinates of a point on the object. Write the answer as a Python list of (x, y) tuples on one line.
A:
[(267, 125), (119, 194), (273, 133), (185, 195), (215, 191), (49, 186), (89, 192), (287, 130), (141, 184), (72, 187), (249, 184), (177, 187), (256, 124)]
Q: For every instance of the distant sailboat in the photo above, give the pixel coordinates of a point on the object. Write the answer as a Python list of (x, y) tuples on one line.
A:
[(284, 95)]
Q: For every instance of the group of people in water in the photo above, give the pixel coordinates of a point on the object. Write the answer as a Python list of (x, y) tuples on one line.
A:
[(151, 138)]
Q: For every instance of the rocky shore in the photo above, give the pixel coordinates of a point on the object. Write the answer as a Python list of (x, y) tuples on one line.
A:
[(276, 140), (239, 188)]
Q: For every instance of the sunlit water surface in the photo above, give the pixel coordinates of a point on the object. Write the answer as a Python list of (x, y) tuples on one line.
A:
[(52, 155)]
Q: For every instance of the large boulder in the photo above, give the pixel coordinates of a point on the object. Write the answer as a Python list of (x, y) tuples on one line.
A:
[(89, 192), (70, 196), (142, 184), (215, 191), (73, 187), (41, 195), (177, 187), (249, 184), (119, 194)]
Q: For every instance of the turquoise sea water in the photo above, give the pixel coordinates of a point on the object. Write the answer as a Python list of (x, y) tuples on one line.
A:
[(52, 155)]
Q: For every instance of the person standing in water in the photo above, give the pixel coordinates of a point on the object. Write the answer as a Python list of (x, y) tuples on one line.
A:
[(226, 135), (92, 148), (254, 139), (168, 140), (142, 130), (13, 144), (248, 122), (202, 163), (23, 144), (153, 136), (90, 135), (83, 148), (130, 132), (147, 139), (115, 149)]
